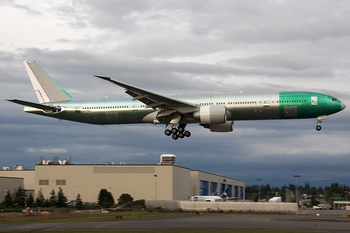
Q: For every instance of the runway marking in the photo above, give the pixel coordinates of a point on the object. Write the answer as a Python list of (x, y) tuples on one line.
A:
[(106, 225)]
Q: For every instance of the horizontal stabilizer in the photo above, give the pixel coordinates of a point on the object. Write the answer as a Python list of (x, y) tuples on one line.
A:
[(31, 104)]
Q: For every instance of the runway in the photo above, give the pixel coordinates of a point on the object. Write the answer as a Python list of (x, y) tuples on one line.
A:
[(205, 222)]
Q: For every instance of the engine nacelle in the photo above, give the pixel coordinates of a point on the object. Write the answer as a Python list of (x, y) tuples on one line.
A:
[(225, 127), (212, 114)]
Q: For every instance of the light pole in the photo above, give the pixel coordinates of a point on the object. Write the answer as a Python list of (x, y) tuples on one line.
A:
[(346, 193), (259, 189), (296, 190), (155, 190)]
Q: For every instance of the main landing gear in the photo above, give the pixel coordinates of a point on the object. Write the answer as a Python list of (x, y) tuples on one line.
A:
[(178, 132), (319, 121)]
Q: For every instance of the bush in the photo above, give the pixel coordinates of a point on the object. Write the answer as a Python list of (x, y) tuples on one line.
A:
[(125, 198), (135, 204)]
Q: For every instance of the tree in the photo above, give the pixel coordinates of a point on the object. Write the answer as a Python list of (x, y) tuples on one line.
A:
[(105, 198), (53, 198), (40, 200), (61, 199), (313, 201), (124, 198), (79, 202), (30, 200), (256, 198), (8, 199), (19, 197)]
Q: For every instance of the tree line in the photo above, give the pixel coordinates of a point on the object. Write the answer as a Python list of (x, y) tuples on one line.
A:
[(329, 193), (19, 198)]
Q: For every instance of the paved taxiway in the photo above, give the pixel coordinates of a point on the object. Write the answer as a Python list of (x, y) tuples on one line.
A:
[(205, 222)]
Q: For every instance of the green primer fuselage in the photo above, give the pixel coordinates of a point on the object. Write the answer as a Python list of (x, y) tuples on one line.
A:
[(282, 105)]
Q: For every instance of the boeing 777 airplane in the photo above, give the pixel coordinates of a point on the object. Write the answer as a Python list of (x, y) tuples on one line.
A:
[(215, 112)]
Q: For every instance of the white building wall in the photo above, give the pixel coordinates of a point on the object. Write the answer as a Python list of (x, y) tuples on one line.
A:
[(171, 182), (181, 183), (137, 180), (29, 175)]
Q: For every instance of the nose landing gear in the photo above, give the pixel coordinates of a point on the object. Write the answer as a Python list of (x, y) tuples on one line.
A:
[(177, 132), (319, 121)]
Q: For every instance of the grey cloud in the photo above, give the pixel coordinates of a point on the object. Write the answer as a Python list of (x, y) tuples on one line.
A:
[(287, 60)]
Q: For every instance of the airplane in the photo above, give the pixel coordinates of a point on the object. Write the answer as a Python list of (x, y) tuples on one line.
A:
[(222, 197), (216, 112)]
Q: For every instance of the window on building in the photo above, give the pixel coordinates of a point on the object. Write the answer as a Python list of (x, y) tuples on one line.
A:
[(222, 188), (60, 182), (236, 192), (213, 189), (204, 185), (229, 190), (241, 193), (43, 182)]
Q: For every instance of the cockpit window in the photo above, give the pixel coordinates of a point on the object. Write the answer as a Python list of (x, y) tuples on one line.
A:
[(335, 100)]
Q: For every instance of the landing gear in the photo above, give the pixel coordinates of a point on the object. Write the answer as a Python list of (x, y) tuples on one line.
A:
[(175, 137), (167, 132), (319, 121), (178, 132)]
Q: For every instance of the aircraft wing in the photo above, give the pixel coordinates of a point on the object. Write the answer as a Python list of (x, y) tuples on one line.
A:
[(153, 100), (31, 104)]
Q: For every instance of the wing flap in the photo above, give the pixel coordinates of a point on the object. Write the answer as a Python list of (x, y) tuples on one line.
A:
[(151, 99)]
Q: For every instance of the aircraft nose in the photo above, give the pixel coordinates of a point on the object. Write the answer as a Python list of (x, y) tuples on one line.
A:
[(342, 106)]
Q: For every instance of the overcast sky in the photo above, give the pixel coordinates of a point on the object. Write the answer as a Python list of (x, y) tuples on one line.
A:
[(181, 47)]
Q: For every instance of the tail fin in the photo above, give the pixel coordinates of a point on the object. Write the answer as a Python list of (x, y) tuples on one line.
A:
[(224, 194), (46, 89)]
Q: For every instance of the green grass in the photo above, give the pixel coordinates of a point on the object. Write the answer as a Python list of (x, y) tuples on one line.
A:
[(160, 231), (83, 217)]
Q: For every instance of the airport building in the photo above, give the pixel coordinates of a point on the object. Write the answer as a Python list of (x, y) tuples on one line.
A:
[(163, 181)]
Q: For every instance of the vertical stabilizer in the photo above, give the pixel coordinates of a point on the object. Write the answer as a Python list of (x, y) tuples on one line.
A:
[(46, 89)]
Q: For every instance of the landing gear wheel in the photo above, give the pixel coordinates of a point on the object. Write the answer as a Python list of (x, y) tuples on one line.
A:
[(175, 137), (187, 133), (180, 129), (318, 128), (181, 135), (173, 130), (167, 132)]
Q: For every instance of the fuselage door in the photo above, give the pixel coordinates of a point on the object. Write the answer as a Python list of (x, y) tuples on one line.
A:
[(314, 101), (77, 109), (266, 102)]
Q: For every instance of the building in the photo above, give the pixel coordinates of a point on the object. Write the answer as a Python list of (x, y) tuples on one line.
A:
[(9, 184), (163, 181)]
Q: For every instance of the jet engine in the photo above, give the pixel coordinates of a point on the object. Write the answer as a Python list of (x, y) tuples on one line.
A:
[(224, 127), (212, 114)]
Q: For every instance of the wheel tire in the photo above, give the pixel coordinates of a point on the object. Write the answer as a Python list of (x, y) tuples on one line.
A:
[(173, 130), (187, 133), (181, 135), (318, 128), (175, 137), (181, 129), (167, 132)]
